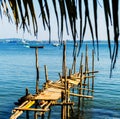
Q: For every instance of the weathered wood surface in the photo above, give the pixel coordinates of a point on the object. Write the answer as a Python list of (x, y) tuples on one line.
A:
[(26, 105), (49, 94), (53, 92), (61, 89)]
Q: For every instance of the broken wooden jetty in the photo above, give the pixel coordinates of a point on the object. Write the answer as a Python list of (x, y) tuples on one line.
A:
[(59, 93)]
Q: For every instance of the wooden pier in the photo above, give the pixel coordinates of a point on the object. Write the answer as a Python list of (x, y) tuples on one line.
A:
[(59, 93)]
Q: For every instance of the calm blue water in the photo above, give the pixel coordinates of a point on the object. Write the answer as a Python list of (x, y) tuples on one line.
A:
[(17, 71)]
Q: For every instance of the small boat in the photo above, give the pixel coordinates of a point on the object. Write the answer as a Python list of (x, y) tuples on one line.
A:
[(56, 44)]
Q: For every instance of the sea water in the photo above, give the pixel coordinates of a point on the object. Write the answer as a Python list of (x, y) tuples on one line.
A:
[(17, 72)]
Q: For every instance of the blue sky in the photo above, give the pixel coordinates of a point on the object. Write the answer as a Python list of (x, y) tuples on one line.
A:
[(8, 30)]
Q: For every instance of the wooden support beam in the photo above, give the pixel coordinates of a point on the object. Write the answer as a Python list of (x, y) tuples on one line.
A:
[(63, 103), (19, 112), (31, 109), (92, 69), (64, 59), (46, 73), (37, 71), (79, 95), (88, 72), (57, 86)]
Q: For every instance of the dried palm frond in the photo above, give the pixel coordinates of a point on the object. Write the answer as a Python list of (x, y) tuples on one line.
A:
[(67, 11)]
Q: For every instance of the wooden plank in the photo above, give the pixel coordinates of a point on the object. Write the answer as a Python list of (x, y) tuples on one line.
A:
[(80, 95), (56, 86), (49, 94), (73, 82), (19, 112), (32, 109)]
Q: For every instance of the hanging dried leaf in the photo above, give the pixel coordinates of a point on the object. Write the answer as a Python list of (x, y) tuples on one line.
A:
[(107, 16), (44, 20), (56, 13), (48, 16), (96, 29), (116, 32), (14, 8)]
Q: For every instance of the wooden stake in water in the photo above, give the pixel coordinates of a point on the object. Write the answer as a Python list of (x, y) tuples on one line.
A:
[(37, 71), (62, 107), (27, 112), (64, 59), (80, 85), (46, 73), (93, 69)]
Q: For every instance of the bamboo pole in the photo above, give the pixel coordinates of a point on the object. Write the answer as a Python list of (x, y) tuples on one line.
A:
[(60, 77), (63, 103), (37, 71), (37, 78), (46, 73), (81, 60), (88, 84), (80, 84), (79, 95), (62, 107), (45, 108), (31, 109), (67, 101), (64, 59), (86, 56), (70, 72), (90, 72), (27, 112), (49, 114), (92, 69), (19, 112)]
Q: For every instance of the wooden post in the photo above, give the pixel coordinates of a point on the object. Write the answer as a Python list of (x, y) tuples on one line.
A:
[(88, 84), (35, 115), (27, 112), (81, 60), (70, 72), (80, 85), (46, 73), (49, 114), (85, 67), (68, 113), (92, 69), (37, 71), (65, 84), (64, 59), (74, 58), (60, 77), (66, 97), (37, 78), (62, 107)]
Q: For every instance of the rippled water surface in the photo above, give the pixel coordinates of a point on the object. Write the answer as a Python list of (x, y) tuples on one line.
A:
[(17, 71)]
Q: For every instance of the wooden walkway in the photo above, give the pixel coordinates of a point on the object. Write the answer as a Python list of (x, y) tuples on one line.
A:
[(57, 93)]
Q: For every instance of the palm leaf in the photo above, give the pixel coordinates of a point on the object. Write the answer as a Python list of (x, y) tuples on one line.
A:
[(56, 14), (63, 17), (116, 31), (96, 29), (44, 19), (89, 21), (48, 16), (34, 21), (14, 7), (107, 16), (80, 16), (68, 14)]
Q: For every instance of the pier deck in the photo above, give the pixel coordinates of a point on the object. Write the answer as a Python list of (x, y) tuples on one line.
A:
[(59, 92)]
